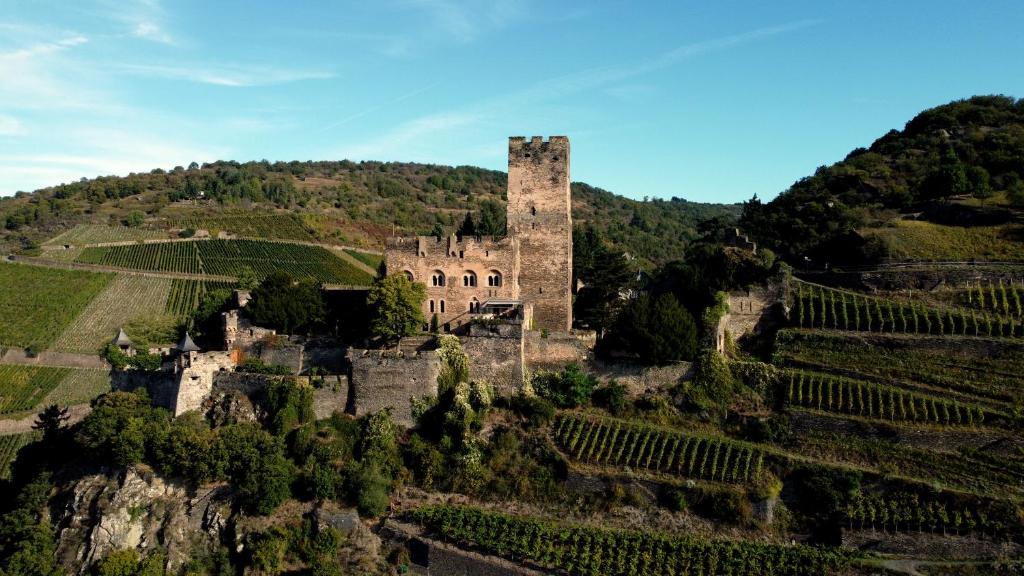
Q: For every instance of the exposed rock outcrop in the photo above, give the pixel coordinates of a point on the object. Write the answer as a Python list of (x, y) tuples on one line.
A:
[(135, 508)]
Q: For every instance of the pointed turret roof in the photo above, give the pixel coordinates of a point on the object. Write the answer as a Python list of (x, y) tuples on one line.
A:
[(187, 345), (122, 338)]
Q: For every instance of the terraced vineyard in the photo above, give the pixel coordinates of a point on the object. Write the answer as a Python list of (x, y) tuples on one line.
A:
[(186, 295), (9, 446), (873, 400), (615, 442), (995, 298), (230, 258), (24, 387), (285, 226), (588, 550), (908, 511), (972, 369), (97, 233), (37, 304), (128, 298), (822, 307)]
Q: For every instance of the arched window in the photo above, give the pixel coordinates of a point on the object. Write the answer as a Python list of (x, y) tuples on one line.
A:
[(437, 278), (469, 278), (494, 278), (409, 275), (474, 306), (442, 306), (431, 306)]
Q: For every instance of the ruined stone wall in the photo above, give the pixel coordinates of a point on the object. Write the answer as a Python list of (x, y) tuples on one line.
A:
[(240, 333), (387, 379), (496, 355), (162, 387), (540, 221), (750, 311), (554, 351), (444, 265), (195, 378)]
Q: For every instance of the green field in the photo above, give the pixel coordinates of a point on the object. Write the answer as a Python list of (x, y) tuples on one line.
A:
[(79, 386), (37, 304), (9, 446), (250, 225), (230, 258), (24, 387), (126, 300), (96, 233), (187, 294), (372, 260), (920, 240)]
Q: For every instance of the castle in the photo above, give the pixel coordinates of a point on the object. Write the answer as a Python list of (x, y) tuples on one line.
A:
[(531, 267), (522, 281)]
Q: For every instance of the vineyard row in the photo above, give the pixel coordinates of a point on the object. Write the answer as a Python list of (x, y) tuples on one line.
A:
[(585, 550), (848, 396), (821, 307), (619, 443), (908, 511)]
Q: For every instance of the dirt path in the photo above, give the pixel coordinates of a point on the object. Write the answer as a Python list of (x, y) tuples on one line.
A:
[(11, 426), (54, 359)]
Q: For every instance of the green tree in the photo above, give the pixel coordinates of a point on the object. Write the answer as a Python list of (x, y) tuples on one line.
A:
[(604, 272), (51, 421), (566, 389), (492, 219), (979, 181), (468, 227), (396, 307), (247, 278), (286, 304), (135, 218), (657, 329)]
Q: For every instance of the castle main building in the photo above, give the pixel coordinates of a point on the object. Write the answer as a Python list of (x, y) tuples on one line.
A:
[(531, 266)]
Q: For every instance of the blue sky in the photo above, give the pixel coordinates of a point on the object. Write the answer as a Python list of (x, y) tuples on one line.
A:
[(709, 101)]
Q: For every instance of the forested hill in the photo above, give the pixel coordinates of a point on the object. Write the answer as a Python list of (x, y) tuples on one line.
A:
[(959, 164), (335, 201)]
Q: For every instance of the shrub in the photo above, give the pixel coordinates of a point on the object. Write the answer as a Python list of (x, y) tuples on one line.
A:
[(537, 411), (611, 397), (566, 389)]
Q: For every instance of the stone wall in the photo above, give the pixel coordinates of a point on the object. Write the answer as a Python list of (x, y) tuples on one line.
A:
[(445, 266), (195, 375), (162, 387), (496, 355), (540, 221), (240, 333), (389, 379), (552, 351), (751, 311), (435, 558)]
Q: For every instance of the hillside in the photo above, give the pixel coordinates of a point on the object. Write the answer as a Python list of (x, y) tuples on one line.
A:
[(343, 202), (956, 167)]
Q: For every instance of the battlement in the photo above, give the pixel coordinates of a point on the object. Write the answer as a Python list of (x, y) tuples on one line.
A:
[(520, 147)]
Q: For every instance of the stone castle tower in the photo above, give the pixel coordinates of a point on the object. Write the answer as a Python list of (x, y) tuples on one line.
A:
[(466, 277), (540, 223)]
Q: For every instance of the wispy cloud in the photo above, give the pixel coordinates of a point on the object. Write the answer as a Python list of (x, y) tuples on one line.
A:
[(233, 76), (98, 152), (410, 137), (468, 21), (143, 19), (416, 137), (9, 126), (376, 107), (151, 31)]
